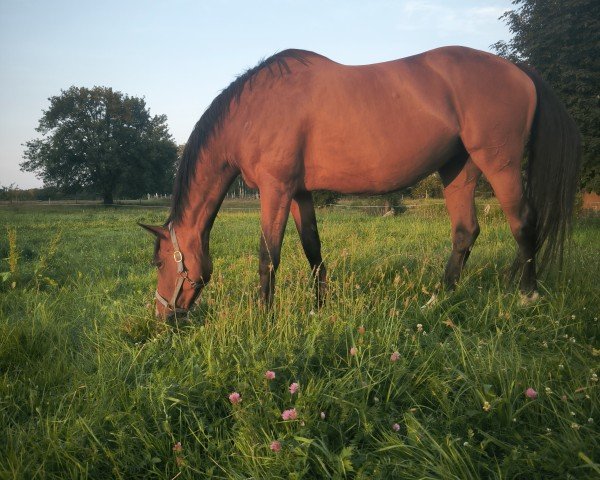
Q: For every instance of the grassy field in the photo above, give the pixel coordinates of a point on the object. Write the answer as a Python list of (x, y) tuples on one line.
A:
[(93, 387)]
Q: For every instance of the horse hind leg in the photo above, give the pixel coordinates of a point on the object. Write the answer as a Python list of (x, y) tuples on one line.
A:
[(459, 177), (504, 174), (303, 212)]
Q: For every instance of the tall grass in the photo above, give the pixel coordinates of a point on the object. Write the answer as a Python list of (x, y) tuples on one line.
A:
[(93, 387)]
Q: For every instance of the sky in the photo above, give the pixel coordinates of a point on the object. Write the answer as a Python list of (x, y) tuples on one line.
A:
[(180, 54)]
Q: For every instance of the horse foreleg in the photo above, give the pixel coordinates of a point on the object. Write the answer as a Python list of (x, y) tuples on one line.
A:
[(274, 212), (459, 177), (303, 211)]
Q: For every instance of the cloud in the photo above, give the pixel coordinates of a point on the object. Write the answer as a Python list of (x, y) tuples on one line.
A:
[(448, 21)]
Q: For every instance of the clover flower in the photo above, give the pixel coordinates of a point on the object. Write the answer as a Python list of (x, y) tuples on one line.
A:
[(275, 446), (290, 414), (235, 398), (531, 393)]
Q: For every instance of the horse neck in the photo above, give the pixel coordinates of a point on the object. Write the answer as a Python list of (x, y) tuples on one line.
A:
[(212, 178)]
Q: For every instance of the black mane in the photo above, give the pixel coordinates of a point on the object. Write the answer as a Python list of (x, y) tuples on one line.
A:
[(213, 118)]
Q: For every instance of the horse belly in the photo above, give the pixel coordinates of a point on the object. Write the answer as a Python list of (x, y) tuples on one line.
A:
[(378, 162)]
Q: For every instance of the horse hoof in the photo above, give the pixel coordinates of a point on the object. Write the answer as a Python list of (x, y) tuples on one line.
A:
[(432, 301), (529, 299)]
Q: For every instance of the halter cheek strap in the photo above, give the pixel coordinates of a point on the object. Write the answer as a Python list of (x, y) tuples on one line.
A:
[(182, 277)]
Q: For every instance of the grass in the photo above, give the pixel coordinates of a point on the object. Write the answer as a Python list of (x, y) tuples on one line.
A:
[(93, 387)]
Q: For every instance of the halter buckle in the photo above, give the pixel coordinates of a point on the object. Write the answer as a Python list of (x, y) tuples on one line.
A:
[(177, 256)]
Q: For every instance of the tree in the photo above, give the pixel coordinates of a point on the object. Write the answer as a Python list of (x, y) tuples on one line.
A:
[(9, 192), (561, 39), (102, 141)]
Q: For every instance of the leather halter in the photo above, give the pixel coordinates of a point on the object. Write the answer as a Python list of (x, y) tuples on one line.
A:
[(182, 277)]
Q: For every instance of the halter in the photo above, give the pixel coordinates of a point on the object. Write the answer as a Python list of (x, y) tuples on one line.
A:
[(182, 277)]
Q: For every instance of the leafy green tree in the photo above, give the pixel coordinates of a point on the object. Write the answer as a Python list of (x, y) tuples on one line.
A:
[(99, 140), (561, 39), (8, 192)]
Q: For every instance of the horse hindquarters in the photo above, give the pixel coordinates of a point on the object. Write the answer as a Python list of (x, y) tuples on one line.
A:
[(538, 213)]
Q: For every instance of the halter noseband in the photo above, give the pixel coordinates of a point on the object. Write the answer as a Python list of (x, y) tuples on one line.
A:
[(182, 277)]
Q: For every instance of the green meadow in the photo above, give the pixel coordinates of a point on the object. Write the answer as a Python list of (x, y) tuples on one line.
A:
[(92, 386)]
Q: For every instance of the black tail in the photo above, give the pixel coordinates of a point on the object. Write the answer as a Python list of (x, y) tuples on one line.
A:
[(552, 171)]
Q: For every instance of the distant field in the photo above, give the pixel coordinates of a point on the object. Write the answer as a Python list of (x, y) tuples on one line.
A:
[(93, 387)]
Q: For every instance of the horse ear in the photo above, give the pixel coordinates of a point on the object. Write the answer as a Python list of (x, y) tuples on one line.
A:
[(160, 232)]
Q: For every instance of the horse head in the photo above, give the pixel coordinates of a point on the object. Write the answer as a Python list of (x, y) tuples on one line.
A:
[(183, 270)]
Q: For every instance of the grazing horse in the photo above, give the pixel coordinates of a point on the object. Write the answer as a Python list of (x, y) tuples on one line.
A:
[(299, 122)]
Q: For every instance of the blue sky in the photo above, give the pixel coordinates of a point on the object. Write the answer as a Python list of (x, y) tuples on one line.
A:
[(179, 54)]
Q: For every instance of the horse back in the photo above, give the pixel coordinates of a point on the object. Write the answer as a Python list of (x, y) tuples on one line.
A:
[(375, 128)]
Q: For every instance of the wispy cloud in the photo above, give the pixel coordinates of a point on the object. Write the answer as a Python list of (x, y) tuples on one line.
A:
[(446, 21)]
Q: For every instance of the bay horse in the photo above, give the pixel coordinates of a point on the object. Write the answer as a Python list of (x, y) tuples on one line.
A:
[(299, 122)]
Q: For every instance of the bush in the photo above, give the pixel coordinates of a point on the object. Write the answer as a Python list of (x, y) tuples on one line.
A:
[(322, 198), (484, 189), (429, 187), (392, 202)]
